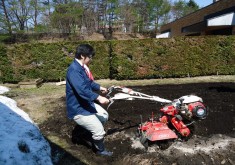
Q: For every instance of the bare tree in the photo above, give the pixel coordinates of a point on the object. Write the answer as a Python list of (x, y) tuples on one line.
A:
[(128, 16), (35, 11), (101, 15), (67, 16), (6, 18), (89, 17), (19, 12)]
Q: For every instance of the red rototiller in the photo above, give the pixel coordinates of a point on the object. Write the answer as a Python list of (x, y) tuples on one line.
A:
[(173, 116)]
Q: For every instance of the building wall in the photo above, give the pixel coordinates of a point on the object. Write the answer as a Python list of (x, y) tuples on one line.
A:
[(197, 18), (233, 30)]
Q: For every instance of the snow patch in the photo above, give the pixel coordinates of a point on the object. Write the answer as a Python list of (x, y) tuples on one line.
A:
[(20, 139), (3, 89)]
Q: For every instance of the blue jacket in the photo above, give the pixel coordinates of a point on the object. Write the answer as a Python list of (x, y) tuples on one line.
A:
[(79, 91)]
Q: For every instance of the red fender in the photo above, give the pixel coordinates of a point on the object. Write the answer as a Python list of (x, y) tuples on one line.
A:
[(157, 131)]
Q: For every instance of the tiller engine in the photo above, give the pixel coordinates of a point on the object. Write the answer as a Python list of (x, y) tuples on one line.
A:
[(173, 116)]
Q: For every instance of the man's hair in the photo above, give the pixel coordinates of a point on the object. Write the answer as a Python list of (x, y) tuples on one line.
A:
[(85, 50)]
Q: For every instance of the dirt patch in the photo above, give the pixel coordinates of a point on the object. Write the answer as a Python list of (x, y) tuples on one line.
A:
[(212, 141), (95, 37), (126, 36)]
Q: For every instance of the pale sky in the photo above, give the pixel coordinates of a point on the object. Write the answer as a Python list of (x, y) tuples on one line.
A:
[(203, 3)]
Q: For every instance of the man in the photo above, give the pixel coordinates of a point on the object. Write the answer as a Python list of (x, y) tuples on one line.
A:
[(80, 98)]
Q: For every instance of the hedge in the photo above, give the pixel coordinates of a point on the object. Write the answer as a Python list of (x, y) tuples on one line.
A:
[(127, 59), (49, 61), (175, 57)]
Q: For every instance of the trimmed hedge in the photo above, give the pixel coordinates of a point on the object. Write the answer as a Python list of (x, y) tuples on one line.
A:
[(6, 67), (128, 59), (50, 61), (175, 57)]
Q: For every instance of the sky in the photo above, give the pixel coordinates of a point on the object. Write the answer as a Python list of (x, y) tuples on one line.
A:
[(21, 142), (203, 3)]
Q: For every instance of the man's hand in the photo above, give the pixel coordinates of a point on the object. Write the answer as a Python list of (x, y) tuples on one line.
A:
[(103, 100), (103, 90)]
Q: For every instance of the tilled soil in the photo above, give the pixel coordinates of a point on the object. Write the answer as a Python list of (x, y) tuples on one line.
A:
[(212, 140)]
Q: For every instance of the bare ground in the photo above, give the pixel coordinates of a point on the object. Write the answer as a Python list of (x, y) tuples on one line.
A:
[(212, 141)]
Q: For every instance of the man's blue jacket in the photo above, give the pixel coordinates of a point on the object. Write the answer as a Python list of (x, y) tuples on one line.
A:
[(79, 91)]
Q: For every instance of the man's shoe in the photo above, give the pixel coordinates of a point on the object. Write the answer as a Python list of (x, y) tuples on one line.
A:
[(99, 146), (104, 153)]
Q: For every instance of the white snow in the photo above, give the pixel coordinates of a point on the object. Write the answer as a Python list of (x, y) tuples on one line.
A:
[(21, 142), (3, 89)]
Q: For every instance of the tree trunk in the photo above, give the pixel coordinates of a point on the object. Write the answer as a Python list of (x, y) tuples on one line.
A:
[(7, 18)]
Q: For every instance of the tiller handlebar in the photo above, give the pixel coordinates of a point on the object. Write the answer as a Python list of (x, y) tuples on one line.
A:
[(129, 94)]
